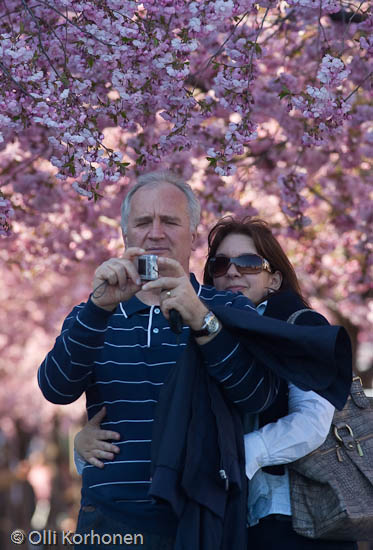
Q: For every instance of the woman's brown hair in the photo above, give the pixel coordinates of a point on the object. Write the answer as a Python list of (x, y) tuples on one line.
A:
[(265, 242)]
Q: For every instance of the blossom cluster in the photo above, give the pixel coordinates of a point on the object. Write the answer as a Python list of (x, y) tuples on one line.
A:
[(324, 6), (6, 213), (324, 105), (293, 203)]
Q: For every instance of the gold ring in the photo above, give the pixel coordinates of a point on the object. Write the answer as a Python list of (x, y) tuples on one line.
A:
[(168, 293)]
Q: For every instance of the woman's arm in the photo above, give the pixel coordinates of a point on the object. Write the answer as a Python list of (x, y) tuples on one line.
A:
[(90, 444), (291, 437), (298, 433)]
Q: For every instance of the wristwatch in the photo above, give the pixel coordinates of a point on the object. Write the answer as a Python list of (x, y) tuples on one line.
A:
[(211, 325)]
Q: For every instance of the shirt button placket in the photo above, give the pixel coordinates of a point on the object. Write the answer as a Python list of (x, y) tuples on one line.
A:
[(156, 311)]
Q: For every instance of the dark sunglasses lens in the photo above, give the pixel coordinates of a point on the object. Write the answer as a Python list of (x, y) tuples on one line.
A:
[(218, 266), (248, 263)]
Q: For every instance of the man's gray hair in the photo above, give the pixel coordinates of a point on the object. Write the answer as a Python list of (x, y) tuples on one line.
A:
[(156, 178)]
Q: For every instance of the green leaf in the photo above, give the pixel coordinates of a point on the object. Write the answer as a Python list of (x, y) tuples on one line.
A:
[(65, 79), (285, 92), (213, 161), (122, 167), (96, 196)]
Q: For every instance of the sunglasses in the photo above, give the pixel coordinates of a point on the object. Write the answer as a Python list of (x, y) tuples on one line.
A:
[(246, 263)]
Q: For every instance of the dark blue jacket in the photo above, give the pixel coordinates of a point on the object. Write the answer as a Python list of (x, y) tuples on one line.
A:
[(317, 358), (198, 461)]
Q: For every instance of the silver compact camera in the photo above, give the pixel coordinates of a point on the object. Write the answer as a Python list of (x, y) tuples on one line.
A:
[(147, 267)]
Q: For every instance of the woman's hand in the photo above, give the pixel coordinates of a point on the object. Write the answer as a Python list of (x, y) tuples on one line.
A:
[(90, 441)]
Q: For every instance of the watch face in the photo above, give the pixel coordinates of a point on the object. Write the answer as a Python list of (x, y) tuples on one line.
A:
[(213, 324)]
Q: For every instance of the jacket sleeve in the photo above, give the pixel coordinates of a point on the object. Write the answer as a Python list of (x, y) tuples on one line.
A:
[(65, 372), (246, 381)]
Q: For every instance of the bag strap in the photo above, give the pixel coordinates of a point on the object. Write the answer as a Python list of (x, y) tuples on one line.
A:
[(294, 316), (358, 395)]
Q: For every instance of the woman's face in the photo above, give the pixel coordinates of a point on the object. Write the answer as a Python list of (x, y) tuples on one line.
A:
[(254, 285)]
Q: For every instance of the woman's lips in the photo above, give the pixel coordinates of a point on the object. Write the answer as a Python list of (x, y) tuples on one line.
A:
[(235, 288)]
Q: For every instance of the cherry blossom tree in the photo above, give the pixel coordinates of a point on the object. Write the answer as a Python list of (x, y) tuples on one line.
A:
[(265, 107)]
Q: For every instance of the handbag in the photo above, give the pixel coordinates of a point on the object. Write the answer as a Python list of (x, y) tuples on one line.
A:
[(331, 488)]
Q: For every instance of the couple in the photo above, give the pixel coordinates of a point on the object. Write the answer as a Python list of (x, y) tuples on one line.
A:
[(119, 349)]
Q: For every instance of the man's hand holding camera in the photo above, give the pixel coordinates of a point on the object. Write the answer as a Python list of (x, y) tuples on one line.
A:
[(177, 292), (116, 280)]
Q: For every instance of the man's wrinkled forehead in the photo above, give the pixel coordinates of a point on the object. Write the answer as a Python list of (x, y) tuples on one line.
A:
[(162, 200)]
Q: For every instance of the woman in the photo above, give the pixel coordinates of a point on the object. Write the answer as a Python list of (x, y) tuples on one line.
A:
[(244, 256)]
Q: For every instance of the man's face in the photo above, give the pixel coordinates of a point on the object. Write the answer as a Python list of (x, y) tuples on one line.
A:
[(159, 222)]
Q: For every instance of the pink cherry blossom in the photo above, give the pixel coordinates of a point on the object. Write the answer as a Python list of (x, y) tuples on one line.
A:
[(265, 107)]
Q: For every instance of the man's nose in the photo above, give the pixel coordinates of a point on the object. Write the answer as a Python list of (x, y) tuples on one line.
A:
[(156, 230)]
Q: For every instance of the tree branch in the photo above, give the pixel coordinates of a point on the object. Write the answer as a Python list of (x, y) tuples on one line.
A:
[(359, 86), (18, 85), (34, 18), (76, 26)]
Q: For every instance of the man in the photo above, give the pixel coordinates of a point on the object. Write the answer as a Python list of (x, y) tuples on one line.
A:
[(118, 348)]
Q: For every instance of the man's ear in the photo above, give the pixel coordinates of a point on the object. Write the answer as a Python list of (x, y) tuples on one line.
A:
[(276, 280), (124, 236), (194, 241)]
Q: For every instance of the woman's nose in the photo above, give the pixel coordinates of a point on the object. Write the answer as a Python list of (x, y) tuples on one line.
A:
[(232, 271)]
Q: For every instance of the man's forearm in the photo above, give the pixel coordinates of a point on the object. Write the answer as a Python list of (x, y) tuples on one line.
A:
[(64, 374)]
